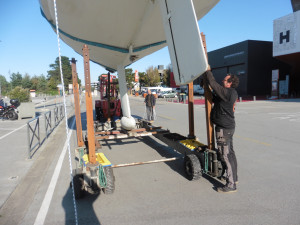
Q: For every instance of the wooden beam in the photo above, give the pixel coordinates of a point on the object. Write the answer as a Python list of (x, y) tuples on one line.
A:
[(80, 142), (191, 110), (208, 106), (89, 106)]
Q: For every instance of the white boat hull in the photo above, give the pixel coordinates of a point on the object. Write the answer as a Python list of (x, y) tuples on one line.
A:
[(118, 32)]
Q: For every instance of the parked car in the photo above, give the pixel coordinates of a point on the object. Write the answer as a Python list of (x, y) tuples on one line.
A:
[(178, 90), (197, 90), (167, 94)]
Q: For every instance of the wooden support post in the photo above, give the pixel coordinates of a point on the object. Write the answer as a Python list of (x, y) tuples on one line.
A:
[(208, 107), (191, 110), (80, 142), (89, 106)]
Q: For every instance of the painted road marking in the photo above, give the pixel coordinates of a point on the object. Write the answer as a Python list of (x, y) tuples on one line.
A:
[(292, 117), (12, 131), (6, 129), (40, 219), (253, 140)]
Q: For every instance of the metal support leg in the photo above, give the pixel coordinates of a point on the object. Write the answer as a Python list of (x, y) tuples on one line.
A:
[(127, 121)]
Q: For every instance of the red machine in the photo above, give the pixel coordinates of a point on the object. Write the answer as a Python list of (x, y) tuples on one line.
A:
[(109, 105)]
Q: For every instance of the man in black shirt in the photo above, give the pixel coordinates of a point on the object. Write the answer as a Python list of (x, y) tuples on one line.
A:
[(222, 115), (150, 105)]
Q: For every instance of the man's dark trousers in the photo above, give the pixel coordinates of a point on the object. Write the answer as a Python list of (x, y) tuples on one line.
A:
[(225, 146)]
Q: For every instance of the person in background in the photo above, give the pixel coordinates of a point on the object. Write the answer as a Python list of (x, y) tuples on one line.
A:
[(150, 105), (222, 116)]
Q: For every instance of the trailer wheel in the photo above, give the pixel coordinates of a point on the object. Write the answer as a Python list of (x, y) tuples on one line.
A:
[(78, 186), (99, 114), (192, 167), (110, 180)]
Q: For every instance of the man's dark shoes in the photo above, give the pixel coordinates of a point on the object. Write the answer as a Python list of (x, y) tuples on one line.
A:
[(227, 189)]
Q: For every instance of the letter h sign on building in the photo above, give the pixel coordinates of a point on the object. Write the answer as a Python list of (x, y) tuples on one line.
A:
[(286, 34)]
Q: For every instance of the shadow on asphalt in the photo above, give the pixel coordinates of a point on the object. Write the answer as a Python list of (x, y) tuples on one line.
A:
[(214, 181), (137, 117), (83, 121), (177, 165), (85, 210), (112, 142), (166, 152)]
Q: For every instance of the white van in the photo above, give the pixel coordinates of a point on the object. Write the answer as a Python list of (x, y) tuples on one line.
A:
[(154, 90)]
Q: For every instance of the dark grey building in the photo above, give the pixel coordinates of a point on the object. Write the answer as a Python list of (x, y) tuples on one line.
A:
[(252, 62)]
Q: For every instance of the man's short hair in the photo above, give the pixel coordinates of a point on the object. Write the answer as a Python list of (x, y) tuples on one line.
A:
[(234, 80)]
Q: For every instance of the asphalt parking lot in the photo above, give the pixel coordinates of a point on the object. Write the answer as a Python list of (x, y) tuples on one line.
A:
[(14, 143), (266, 142)]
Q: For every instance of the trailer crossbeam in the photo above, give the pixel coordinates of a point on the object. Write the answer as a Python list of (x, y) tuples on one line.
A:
[(146, 162)]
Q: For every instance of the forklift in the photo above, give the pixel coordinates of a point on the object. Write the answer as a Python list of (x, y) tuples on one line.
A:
[(109, 105)]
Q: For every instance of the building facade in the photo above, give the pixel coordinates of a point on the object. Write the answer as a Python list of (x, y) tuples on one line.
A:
[(252, 62), (286, 48)]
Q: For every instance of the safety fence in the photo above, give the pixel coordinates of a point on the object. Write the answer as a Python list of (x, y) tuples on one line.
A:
[(36, 135)]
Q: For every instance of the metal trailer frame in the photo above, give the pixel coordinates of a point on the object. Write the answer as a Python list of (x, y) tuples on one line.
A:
[(94, 171), (198, 158)]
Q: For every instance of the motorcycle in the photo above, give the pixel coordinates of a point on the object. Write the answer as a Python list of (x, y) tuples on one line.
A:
[(9, 112)]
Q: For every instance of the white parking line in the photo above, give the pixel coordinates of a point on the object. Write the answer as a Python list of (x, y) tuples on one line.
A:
[(40, 219), (12, 131), (292, 117)]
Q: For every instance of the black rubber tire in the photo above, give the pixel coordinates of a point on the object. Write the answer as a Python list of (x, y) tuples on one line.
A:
[(99, 114), (110, 180), (78, 186), (11, 115), (16, 116), (192, 167)]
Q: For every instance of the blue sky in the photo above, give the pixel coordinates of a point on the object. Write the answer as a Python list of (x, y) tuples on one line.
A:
[(29, 45)]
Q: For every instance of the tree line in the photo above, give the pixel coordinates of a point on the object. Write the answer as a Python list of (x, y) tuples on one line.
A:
[(21, 84), (150, 78), (48, 84)]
